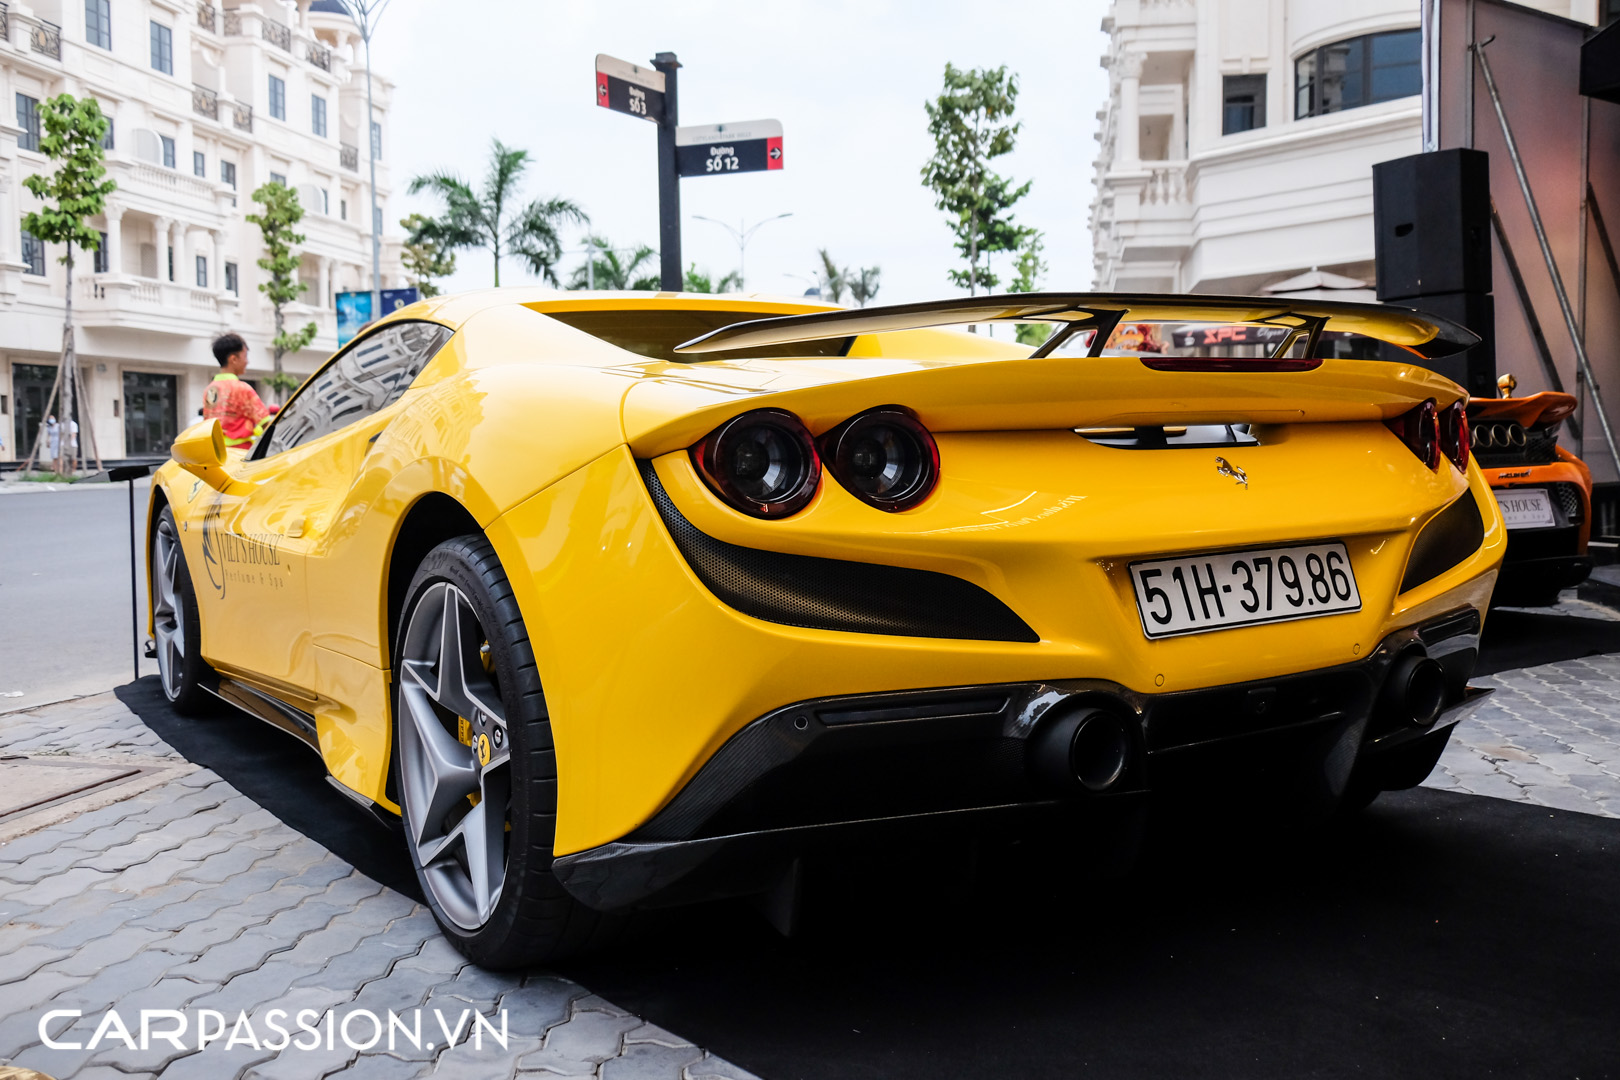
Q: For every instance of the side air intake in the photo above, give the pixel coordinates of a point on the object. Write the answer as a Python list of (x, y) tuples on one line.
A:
[(832, 594)]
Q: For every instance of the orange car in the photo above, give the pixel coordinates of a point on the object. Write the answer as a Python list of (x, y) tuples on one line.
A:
[(1544, 490)]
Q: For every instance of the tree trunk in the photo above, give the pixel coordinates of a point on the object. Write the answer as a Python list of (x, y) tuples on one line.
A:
[(65, 373), (275, 351)]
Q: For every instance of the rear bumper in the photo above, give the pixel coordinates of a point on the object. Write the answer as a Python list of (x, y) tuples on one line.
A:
[(872, 768)]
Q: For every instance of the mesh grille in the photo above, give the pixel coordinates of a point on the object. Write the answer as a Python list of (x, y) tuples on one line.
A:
[(831, 594), (1568, 498)]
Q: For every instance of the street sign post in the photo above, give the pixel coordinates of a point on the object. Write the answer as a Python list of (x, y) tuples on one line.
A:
[(625, 87), (712, 150), (718, 149)]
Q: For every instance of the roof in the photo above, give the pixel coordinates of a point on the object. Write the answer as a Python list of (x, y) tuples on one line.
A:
[(329, 6)]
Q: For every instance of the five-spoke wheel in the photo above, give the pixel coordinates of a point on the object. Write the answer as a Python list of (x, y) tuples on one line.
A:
[(175, 621)]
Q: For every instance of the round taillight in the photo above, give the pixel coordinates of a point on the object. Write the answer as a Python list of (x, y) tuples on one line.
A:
[(884, 457), (1454, 439), (763, 463), (1419, 429)]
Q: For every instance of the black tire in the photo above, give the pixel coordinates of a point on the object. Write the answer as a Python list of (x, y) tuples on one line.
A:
[(535, 920), (185, 683)]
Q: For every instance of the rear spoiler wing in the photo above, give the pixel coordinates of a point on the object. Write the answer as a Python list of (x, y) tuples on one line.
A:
[(1428, 336)]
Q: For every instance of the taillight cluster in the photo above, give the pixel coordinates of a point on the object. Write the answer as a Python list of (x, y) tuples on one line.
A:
[(766, 463), (1434, 434)]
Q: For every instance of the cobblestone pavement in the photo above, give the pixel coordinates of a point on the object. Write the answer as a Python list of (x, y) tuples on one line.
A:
[(1549, 735), (188, 896)]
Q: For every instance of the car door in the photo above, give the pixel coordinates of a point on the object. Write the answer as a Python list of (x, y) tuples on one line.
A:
[(296, 478)]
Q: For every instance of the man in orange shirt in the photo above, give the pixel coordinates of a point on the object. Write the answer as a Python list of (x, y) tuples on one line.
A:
[(232, 401)]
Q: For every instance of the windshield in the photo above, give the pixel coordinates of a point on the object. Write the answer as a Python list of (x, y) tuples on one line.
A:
[(654, 332)]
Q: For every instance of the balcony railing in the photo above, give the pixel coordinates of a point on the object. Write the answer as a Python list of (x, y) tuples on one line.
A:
[(5, 23), (233, 23), (208, 17), (46, 39), (204, 102), (319, 55), (241, 116), (276, 34), (349, 156)]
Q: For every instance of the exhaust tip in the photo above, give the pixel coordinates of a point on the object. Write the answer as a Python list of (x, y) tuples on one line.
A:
[(1416, 690), (1088, 747)]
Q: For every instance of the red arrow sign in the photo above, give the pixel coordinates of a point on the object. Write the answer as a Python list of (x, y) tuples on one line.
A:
[(602, 89), (773, 153)]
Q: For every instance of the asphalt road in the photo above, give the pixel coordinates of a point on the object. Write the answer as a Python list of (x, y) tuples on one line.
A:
[(64, 592)]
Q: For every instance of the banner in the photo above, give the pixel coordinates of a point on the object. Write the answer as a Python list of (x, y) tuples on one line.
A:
[(353, 312), (394, 299)]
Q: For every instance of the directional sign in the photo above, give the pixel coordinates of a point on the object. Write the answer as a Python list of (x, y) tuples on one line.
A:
[(715, 149), (626, 88)]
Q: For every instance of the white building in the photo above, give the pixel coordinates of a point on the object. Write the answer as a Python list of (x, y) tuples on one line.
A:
[(1239, 139), (206, 105)]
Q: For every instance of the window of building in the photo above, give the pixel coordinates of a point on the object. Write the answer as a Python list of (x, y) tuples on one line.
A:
[(317, 115), (171, 262), (230, 278), (326, 202), (363, 379), (98, 23), (202, 271), (98, 261), (33, 254), (1243, 103), (28, 120), (278, 178), (168, 151), (162, 48), (107, 140), (227, 173), (199, 164), (1357, 72), (278, 97), (343, 209), (376, 140)]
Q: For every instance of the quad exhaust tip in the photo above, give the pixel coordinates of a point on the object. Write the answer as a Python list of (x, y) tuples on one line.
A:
[(1416, 690), (1088, 748)]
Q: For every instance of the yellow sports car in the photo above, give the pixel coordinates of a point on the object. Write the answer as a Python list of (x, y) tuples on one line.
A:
[(623, 600)]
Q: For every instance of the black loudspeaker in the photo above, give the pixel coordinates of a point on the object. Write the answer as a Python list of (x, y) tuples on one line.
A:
[(1475, 369), (1432, 213)]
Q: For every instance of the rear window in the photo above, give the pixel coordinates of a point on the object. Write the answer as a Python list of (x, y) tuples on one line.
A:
[(654, 333), (1216, 340)]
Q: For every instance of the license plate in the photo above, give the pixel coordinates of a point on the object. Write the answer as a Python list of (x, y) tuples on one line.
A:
[(1196, 593), (1526, 508)]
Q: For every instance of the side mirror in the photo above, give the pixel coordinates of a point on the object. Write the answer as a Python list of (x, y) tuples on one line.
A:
[(200, 450)]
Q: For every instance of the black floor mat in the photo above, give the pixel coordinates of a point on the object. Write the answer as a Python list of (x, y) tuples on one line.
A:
[(1438, 935), (280, 774)]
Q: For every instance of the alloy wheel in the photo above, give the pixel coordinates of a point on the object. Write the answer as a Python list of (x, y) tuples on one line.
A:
[(168, 609), (455, 757)]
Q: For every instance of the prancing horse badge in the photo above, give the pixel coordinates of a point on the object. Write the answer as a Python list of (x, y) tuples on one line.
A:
[(1226, 468)]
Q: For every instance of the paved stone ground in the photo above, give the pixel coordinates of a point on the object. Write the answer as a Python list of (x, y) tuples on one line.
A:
[(188, 896)]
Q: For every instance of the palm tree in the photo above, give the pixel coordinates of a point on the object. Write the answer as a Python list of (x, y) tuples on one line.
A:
[(863, 285), (703, 282), (486, 218), (613, 272), (834, 280)]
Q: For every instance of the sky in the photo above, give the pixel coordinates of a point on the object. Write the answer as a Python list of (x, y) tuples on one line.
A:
[(846, 78)]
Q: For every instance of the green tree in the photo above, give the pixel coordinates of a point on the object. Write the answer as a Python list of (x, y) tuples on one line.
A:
[(702, 282), (277, 225), (423, 259), (971, 122), (863, 284), (614, 268), (1027, 272), (71, 137), (490, 217), (833, 280)]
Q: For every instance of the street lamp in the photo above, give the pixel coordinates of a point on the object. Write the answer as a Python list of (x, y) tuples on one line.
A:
[(742, 234), (366, 14)]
